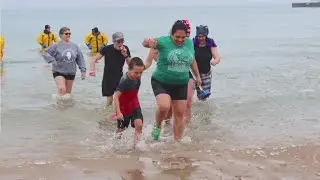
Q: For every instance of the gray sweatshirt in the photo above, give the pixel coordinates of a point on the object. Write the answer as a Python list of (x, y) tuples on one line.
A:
[(64, 58)]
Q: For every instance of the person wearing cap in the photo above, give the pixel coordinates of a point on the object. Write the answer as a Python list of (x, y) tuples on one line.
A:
[(115, 55), (206, 54), (96, 40), (47, 38), (2, 44)]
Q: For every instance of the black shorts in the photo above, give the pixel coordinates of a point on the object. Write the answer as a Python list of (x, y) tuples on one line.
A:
[(66, 76), (136, 114), (109, 84), (175, 91)]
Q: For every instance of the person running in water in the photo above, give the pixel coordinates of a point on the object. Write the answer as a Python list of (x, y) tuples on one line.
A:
[(2, 45), (64, 56), (126, 99), (153, 55), (170, 79), (206, 54), (114, 57), (96, 40), (47, 38)]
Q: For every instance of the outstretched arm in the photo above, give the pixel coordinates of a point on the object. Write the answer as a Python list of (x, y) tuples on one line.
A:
[(150, 58), (194, 67), (149, 43), (93, 60), (117, 102)]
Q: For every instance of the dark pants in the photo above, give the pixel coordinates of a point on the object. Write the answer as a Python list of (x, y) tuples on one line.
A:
[(136, 114)]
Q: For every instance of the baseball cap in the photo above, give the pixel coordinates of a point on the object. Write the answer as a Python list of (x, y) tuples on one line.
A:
[(117, 36), (46, 26)]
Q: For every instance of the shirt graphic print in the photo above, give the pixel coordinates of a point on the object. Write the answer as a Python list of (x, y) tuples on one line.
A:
[(68, 56), (179, 60)]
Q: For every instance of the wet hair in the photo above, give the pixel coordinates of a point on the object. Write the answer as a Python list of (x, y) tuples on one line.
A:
[(178, 25), (63, 30), (135, 61)]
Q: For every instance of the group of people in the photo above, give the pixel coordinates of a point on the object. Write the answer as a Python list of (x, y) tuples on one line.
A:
[(183, 65), (95, 40)]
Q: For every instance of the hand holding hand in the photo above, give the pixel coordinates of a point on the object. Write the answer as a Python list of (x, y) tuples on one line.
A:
[(92, 72), (152, 43)]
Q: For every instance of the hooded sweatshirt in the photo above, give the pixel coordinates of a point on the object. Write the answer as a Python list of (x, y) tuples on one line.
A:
[(203, 30), (64, 58)]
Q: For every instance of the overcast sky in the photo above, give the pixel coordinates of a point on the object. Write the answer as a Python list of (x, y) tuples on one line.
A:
[(13, 4)]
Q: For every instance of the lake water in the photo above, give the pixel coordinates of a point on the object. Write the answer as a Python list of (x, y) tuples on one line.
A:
[(261, 122)]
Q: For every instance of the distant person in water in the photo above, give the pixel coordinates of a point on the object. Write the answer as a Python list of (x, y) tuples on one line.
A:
[(96, 40), (2, 45), (47, 38), (127, 106), (115, 55), (206, 54), (64, 57)]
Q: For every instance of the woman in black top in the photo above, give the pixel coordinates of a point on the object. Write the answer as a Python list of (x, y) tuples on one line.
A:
[(206, 54), (114, 57)]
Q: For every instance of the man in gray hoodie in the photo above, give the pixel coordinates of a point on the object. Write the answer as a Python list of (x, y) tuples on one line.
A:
[(65, 56)]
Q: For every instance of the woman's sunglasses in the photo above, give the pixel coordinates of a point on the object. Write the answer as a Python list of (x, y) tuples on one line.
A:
[(68, 34)]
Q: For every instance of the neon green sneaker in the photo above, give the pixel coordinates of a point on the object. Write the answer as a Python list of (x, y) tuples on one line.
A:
[(155, 132)]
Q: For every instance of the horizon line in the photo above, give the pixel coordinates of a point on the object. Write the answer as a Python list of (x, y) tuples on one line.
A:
[(139, 5)]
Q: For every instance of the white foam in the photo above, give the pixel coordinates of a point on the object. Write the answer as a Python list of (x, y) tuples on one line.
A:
[(142, 145), (64, 97), (307, 90)]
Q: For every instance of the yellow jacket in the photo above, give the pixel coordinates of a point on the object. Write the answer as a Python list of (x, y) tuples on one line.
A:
[(47, 39), (2, 44), (96, 41)]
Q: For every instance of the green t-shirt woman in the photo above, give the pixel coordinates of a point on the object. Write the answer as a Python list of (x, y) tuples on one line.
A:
[(170, 79)]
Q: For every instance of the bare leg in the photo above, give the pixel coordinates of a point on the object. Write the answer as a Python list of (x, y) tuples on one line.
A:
[(191, 84), (109, 100), (61, 85), (164, 102), (169, 116), (179, 108), (138, 130), (69, 84)]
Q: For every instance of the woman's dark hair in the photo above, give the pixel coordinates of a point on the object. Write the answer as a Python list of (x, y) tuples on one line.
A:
[(178, 25), (135, 61), (63, 30)]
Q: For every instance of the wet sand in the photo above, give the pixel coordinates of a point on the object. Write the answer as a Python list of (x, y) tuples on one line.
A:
[(278, 163)]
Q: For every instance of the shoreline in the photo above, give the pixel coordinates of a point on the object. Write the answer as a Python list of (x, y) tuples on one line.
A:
[(263, 163)]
